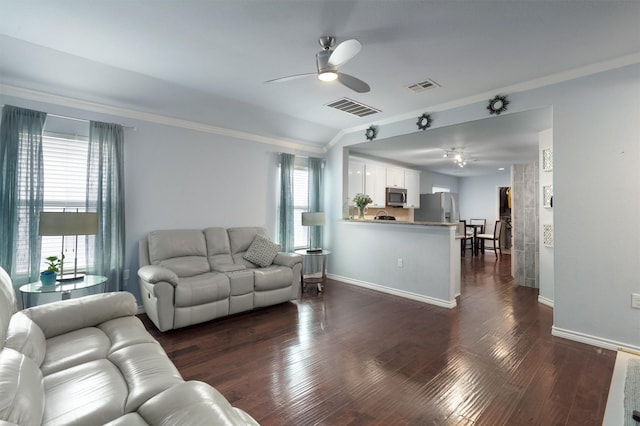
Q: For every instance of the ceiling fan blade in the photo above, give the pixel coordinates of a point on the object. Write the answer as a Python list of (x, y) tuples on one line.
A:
[(291, 77), (353, 83), (344, 52)]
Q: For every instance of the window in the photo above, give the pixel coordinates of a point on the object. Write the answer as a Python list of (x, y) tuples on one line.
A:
[(65, 181), (300, 201), (435, 189)]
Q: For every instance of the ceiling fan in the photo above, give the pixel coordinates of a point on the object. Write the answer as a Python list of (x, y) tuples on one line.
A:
[(327, 62)]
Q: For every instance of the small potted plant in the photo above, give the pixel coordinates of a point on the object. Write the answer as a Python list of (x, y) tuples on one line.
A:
[(49, 275)]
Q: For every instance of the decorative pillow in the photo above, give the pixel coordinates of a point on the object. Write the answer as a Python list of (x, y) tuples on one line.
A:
[(262, 251)]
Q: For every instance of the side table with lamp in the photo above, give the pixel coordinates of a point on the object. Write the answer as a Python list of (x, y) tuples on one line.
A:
[(314, 258), (61, 224)]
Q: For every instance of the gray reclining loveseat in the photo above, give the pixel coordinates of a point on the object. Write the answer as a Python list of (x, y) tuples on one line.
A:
[(189, 276)]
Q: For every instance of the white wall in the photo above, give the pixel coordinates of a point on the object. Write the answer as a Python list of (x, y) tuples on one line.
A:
[(545, 141), (429, 179), (596, 198), (596, 206), (430, 258), (479, 198), (180, 178)]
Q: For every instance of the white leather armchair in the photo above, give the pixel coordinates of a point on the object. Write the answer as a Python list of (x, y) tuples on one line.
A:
[(90, 361)]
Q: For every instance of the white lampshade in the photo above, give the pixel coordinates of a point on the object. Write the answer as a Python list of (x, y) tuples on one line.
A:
[(313, 219), (68, 223)]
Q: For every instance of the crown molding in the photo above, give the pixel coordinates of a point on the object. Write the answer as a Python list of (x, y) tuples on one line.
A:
[(514, 88), (36, 95)]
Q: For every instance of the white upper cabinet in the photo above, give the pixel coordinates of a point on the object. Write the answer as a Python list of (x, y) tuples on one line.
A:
[(356, 179), (395, 177), (412, 184), (372, 178), (375, 184)]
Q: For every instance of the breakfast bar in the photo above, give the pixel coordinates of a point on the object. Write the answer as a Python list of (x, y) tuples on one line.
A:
[(416, 260)]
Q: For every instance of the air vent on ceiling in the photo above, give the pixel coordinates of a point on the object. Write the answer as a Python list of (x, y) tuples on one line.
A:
[(423, 85), (353, 107)]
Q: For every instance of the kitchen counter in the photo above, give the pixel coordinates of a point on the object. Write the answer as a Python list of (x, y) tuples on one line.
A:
[(416, 260), (400, 222)]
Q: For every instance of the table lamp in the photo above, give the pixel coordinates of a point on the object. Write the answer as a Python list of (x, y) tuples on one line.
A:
[(312, 219), (68, 224)]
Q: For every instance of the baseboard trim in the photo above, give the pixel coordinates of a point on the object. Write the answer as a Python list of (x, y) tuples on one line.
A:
[(545, 301), (401, 293), (592, 340), (141, 310)]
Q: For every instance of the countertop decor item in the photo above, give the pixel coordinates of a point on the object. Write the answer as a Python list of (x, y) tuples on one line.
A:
[(361, 201)]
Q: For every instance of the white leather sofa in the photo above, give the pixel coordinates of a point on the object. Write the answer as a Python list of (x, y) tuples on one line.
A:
[(90, 361), (189, 276)]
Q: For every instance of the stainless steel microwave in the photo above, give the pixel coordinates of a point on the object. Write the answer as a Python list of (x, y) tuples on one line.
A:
[(396, 197)]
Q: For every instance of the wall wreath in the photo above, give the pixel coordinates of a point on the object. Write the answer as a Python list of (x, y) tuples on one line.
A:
[(424, 121), (498, 105), (371, 133)]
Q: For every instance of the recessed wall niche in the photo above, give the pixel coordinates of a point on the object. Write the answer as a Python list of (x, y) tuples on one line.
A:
[(547, 159)]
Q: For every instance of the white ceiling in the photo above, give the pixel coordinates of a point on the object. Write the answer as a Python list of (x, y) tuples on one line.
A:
[(487, 145), (206, 61)]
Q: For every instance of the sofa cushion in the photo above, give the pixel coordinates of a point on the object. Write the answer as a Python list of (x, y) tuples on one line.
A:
[(130, 419), (87, 394), (74, 348), (125, 331), (21, 391), (203, 288), (240, 239), (147, 370), (187, 266), (186, 403), (261, 251), (184, 251), (272, 277), (166, 244), (218, 247)]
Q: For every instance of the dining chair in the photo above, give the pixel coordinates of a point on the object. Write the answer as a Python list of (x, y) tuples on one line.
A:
[(495, 238), (465, 237), (477, 226)]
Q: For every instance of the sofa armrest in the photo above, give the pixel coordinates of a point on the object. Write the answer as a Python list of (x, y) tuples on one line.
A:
[(155, 274), (229, 267), (287, 259), (88, 311)]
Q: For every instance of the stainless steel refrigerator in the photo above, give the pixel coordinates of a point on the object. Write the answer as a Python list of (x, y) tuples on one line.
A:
[(438, 207)]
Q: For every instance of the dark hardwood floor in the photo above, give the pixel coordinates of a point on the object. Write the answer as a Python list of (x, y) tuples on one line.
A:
[(351, 356)]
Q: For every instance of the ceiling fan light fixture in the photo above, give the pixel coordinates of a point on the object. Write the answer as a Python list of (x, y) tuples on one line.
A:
[(327, 76)]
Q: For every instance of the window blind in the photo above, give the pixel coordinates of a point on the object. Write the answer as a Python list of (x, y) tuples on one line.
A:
[(65, 182), (300, 202)]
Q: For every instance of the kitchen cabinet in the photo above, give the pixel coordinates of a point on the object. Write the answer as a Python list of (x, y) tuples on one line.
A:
[(375, 184), (412, 184), (395, 177), (356, 179)]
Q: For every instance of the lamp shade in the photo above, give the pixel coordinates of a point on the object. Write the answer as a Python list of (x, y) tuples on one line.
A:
[(313, 219), (67, 223)]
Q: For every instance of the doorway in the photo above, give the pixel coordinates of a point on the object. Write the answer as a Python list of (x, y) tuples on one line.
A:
[(504, 215)]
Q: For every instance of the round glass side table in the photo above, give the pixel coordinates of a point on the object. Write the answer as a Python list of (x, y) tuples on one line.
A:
[(37, 294), (314, 267)]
